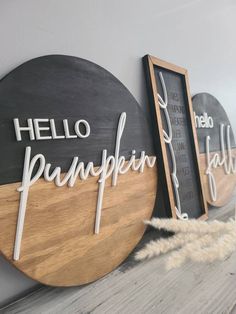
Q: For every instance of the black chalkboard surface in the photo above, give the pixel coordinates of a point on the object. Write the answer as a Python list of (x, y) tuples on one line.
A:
[(205, 103), (176, 139)]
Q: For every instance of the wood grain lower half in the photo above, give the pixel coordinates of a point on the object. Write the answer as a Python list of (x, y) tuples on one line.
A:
[(59, 247)]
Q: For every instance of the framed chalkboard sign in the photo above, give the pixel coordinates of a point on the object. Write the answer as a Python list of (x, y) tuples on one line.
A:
[(171, 107)]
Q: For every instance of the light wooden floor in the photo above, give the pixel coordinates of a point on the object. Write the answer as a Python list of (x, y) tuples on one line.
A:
[(146, 288)]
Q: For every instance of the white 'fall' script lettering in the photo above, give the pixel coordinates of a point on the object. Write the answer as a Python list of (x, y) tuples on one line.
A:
[(222, 159)]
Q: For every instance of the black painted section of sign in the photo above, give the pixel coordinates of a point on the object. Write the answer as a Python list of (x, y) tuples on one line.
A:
[(64, 87), (204, 102), (183, 143)]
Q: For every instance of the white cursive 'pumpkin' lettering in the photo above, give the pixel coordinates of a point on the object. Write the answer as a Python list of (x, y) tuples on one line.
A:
[(110, 166)]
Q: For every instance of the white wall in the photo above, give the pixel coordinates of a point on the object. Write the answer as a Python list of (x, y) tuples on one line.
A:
[(198, 35)]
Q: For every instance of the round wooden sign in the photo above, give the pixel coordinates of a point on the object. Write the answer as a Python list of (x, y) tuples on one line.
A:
[(217, 149), (77, 170)]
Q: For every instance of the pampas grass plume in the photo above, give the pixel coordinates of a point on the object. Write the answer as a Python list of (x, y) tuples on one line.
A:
[(196, 240)]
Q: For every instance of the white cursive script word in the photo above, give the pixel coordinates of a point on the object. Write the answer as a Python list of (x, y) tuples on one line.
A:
[(203, 121), (168, 140), (222, 159), (110, 166)]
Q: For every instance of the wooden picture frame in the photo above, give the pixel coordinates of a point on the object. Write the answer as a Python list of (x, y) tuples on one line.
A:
[(154, 69)]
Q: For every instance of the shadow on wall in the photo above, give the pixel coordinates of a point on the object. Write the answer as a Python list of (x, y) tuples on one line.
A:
[(9, 292)]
